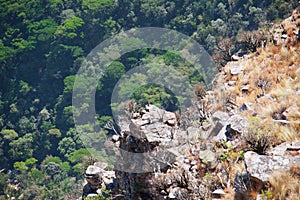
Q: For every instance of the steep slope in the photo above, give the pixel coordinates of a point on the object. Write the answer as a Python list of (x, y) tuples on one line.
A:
[(239, 141)]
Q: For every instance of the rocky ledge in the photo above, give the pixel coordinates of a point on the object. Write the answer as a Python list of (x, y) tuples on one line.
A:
[(197, 162)]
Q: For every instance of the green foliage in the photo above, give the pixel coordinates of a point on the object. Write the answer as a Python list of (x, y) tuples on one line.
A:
[(51, 162), (70, 28), (52, 159), (9, 134), (66, 146), (21, 148), (36, 174), (135, 81), (96, 5), (78, 155), (156, 95), (42, 46), (171, 58), (230, 154), (3, 183), (98, 197), (103, 120), (24, 166), (43, 30), (30, 161), (21, 166), (24, 87), (55, 132), (6, 53), (68, 83)]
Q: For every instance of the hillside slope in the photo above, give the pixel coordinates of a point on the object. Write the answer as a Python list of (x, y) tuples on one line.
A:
[(247, 145)]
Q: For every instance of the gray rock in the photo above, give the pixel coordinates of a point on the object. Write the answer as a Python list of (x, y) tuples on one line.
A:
[(219, 191), (92, 195), (238, 123), (221, 117), (141, 122), (93, 175), (282, 149), (207, 156), (171, 122), (93, 170), (233, 126), (146, 116), (221, 136), (246, 106), (209, 146), (168, 116), (193, 133), (108, 177), (236, 70), (218, 194), (262, 167), (101, 165), (156, 112), (194, 162), (143, 111)]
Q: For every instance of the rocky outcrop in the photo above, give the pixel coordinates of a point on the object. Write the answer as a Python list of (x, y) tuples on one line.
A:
[(151, 131), (97, 178), (288, 30), (262, 166), (188, 159)]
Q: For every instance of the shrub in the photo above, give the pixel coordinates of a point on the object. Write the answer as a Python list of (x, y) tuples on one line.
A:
[(258, 143)]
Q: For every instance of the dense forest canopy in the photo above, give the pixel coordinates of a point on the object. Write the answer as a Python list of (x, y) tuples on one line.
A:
[(42, 45)]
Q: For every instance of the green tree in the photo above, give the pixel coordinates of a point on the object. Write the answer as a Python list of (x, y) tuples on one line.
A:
[(43, 30), (9, 134), (22, 148), (70, 29), (66, 146)]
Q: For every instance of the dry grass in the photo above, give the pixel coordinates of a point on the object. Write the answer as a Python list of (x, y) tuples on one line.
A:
[(285, 186), (279, 67), (272, 75), (288, 133)]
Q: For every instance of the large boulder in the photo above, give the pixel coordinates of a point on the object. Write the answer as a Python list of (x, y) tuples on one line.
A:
[(233, 127), (285, 148), (262, 166), (93, 175)]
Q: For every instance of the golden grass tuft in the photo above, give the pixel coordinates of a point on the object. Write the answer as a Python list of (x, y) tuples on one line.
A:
[(285, 186), (288, 133)]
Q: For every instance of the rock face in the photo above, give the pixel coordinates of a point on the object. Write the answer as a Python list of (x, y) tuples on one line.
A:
[(262, 167), (155, 128), (97, 178), (188, 160), (229, 128), (289, 25)]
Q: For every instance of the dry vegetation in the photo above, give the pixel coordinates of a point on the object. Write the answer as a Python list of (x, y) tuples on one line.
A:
[(284, 186), (269, 85), (273, 79)]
